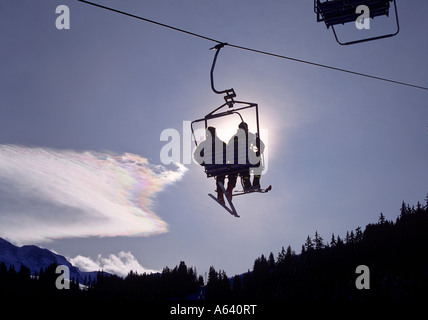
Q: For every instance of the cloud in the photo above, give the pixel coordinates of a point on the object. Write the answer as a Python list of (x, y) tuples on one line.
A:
[(120, 264), (48, 194)]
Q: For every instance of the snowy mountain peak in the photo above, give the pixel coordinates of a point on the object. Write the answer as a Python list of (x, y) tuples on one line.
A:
[(35, 258)]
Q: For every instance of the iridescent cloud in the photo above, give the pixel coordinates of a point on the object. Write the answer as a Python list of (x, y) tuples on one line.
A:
[(48, 194)]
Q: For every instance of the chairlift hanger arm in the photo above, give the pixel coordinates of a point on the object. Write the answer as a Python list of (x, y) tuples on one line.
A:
[(229, 93), (212, 114), (217, 48)]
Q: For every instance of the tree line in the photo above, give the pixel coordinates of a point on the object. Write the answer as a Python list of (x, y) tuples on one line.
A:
[(176, 283), (394, 252)]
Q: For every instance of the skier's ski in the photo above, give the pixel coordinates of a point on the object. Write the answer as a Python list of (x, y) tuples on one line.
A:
[(241, 192), (232, 209)]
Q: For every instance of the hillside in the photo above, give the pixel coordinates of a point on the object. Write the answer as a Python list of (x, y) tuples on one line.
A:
[(394, 254)]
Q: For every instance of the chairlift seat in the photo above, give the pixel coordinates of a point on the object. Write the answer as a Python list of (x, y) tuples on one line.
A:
[(214, 170)]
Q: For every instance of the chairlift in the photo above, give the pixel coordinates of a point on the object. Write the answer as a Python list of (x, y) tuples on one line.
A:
[(230, 108), (335, 12)]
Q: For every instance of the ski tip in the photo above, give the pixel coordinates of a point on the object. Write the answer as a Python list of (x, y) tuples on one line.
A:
[(231, 210)]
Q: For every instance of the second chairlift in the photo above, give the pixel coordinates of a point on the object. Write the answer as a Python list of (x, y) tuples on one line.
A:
[(336, 12)]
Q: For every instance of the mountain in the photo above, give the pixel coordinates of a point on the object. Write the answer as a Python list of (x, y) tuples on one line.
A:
[(35, 258), (385, 261)]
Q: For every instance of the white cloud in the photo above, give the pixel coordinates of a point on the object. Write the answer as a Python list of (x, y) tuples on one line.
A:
[(120, 264), (49, 194)]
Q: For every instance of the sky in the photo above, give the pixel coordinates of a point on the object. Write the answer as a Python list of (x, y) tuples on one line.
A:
[(82, 112)]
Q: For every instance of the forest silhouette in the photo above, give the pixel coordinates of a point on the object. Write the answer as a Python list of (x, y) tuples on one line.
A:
[(393, 251)]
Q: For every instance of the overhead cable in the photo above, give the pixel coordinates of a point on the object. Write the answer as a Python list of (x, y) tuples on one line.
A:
[(255, 50)]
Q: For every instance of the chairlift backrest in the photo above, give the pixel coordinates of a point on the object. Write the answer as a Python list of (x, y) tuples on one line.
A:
[(343, 11), (336, 12)]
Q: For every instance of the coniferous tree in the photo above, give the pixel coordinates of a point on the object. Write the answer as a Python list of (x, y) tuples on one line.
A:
[(309, 245), (352, 237), (358, 235), (318, 241), (289, 254), (403, 210), (281, 256), (419, 208), (212, 288), (333, 241), (382, 218), (271, 261), (339, 242), (200, 280), (426, 202), (347, 238)]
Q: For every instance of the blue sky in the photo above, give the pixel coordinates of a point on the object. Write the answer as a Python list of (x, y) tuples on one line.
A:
[(342, 148)]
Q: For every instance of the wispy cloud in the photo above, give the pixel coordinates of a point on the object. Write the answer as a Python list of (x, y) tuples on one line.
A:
[(120, 264), (48, 194)]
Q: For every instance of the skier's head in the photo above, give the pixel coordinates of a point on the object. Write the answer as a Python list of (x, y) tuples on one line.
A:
[(244, 126), (211, 132)]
